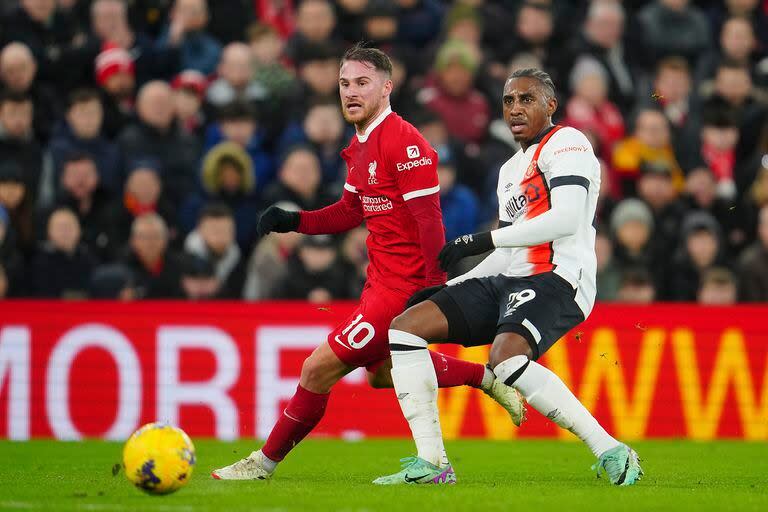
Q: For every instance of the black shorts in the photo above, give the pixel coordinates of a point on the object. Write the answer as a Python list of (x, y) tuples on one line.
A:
[(541, 308)]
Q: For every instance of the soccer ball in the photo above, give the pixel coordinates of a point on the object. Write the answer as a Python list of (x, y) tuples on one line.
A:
[(159, 458)]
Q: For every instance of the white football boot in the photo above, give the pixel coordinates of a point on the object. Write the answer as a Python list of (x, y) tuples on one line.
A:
[(509, 398), (250, 468)]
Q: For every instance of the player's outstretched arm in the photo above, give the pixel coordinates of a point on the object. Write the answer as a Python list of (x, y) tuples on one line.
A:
[(341, 216), (561, 220)]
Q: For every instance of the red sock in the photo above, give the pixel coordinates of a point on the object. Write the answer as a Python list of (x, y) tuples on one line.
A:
[(455, 372), (304, 411)]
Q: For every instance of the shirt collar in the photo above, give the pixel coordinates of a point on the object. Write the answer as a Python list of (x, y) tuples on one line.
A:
[(362, 137), (543, 133)]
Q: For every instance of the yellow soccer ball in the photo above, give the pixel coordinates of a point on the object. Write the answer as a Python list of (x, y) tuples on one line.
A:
[(159, 458)]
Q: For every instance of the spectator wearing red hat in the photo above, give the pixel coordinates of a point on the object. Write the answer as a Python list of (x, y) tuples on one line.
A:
[(109, 24), (115, 75), (188, 93)]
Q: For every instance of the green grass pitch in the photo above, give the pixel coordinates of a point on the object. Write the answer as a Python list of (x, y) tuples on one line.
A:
[(335, 475)]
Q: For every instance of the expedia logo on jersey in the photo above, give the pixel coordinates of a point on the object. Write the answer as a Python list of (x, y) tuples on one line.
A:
[(372, 173), (407, 166), (376, 204)]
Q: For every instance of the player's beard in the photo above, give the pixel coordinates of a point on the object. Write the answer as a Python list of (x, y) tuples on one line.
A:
[(363, 118)]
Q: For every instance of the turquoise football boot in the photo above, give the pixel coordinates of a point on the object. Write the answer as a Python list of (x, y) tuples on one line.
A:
[(621, 464), (418, 471)]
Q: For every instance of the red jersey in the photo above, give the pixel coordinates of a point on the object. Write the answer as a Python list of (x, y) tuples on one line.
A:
[(388, 165)]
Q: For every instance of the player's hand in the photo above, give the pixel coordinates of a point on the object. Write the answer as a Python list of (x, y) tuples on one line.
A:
[(466, 245), (277, 220), (423, 294)]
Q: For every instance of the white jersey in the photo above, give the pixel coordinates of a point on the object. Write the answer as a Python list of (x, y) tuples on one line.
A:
[(563, 156)]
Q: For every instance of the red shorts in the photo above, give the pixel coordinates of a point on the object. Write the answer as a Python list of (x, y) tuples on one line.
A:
[(363, 338)]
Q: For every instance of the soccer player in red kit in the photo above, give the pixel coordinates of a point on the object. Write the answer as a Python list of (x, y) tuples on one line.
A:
[(391, 185)]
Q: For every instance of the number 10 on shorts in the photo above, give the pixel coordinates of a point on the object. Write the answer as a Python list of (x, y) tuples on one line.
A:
[(357, 333)]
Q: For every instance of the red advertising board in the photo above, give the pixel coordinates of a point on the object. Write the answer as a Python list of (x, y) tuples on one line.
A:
[(73, 370)]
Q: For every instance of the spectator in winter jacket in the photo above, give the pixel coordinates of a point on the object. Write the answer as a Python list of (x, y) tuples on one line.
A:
[(199, 50), (198, 278), (18, 70), (115, 74), (228, 178), (238, 123), (451, 95), (235, 80), (80, 132), (316, 273), (458, 203), (719, 136), (156, 135), (718, 287), (674, 27), (315, 24), (753, 264), (214, 242), (11, 260), (298, 181), (188, 93), (156, 268), (17, 143), (62, 267)]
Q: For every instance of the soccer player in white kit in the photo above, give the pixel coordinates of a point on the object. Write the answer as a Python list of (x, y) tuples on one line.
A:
[(536, 285)]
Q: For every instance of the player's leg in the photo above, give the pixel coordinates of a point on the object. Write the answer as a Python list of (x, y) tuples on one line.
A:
[(522, 338), (320, 371), (451, 372)]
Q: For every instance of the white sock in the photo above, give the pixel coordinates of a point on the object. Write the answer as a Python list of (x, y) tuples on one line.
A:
[(267, 463), (415, 381), (488, 378), (551, 397)]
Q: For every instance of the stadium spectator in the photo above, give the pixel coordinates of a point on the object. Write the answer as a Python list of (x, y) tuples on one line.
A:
[(733, 88), (418, 21), (354, 253), (608, 271), (228, 177), (636, 287), (156, 268), (753, 264), (269, 67), (230, 19), (701, 194), (672, 93), (451, 95), (380, 23), (112, 282), (18, 204), (632, 227), (753, 10), (602, 38), (718, 139), (674, 27), (458, 203), (315, 273), (238, 123), (323, 129), (144, 193), (318, 71), (110, 24), (62, 266), (186, 28), (116, 78), (268, 264), (589, 109), (188, 93), (80, 132), (656, 188), (718, 287), (214, 241), (17, 143), (80, 191), (17, 74), (198, 278), (235, 80), (700, 249), (315, 25), (650, 142), (155, 135), (299, 181), (737, 44), (11, 260)]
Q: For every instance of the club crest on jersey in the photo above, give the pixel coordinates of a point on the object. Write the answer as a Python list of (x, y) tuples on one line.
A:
[(531, 169), (412, 151), (372, 173)]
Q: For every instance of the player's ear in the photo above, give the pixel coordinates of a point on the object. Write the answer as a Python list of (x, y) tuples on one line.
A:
[(388, 86), (551, 106)]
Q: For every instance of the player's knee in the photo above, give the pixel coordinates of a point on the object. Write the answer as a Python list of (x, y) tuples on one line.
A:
[(509, 345), (317, 376), (404, 322)]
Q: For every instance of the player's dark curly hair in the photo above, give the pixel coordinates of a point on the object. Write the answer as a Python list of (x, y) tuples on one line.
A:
[(360, 53), (542, 76)]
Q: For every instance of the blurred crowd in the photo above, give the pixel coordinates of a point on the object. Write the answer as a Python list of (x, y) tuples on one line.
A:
[(140, 139)]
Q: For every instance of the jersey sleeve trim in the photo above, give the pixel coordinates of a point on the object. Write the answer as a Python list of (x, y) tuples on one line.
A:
[(421, 193), (350, 188), (559, 181)]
